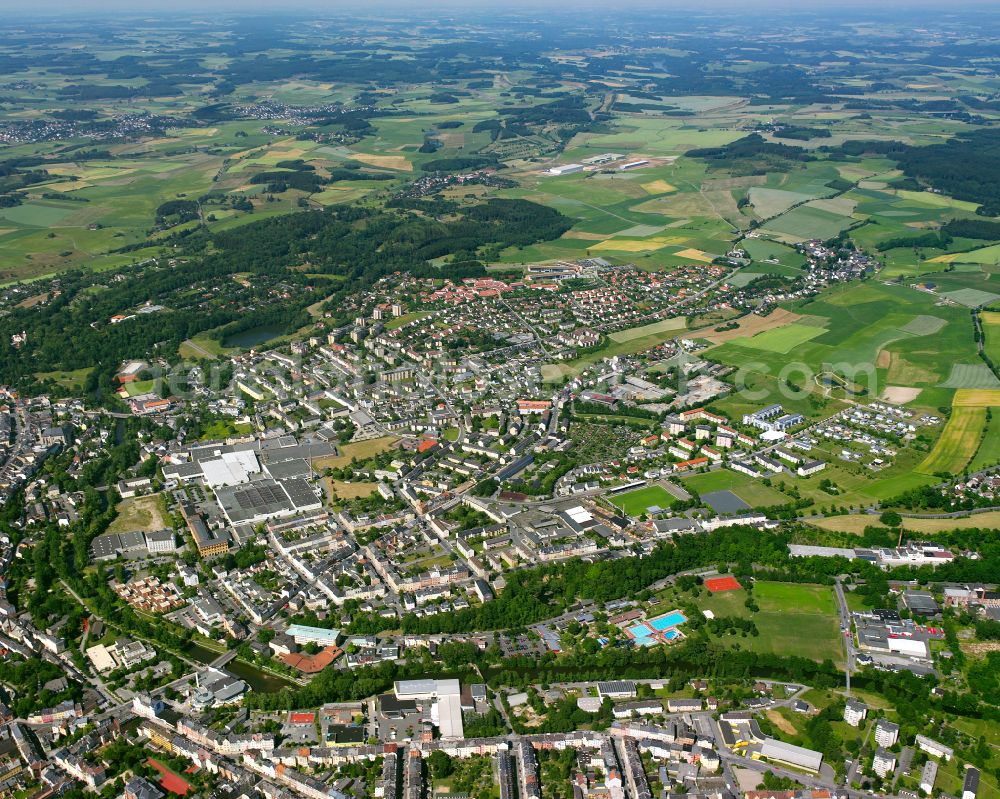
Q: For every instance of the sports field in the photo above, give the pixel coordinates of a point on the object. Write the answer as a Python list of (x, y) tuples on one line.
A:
[(957, 443), (638, 502), (170, 781), (751, 491), (793, 617), (719, 584)]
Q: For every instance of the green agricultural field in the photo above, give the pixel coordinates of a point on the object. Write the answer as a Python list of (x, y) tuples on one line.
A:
[(883, 335), (958, 442), (971, 375), (972, 298), (782, 339), (991, 334), (808, 222), (988, 453), (765, 250), (638, 502), (654, 329), (768, 203)]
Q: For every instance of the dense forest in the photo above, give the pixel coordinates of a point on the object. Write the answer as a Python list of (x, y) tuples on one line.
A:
[(362, 245), (966, 167)]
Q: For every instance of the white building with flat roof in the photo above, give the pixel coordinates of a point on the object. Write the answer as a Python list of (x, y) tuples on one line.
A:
[(798, 756), (565, 169)]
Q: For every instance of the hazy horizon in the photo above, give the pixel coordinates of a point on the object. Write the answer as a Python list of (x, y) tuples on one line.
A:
[(104, 7)]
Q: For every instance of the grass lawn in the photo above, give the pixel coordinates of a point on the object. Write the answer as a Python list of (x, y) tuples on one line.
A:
[(797, 618), (74, 380), (794, 598), (224, 428), (726, 603), (663, 326), (399, 321), (203, 347)]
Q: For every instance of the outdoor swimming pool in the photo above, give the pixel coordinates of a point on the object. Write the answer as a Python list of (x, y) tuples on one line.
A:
[(661, 623), (661, 629)]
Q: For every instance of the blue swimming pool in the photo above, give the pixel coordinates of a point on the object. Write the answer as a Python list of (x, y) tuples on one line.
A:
[(662, 623)]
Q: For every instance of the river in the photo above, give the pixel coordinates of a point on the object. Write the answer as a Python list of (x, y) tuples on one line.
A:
[(257, 679)]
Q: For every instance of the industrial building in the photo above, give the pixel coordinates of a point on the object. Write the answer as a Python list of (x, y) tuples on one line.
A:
[(446, 696), (792, 755), (564, 169)]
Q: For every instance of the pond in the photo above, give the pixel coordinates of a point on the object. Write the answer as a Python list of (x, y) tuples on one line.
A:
[(254, 336)]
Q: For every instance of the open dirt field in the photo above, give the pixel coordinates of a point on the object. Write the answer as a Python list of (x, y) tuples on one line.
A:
[(781, 723), (750, 326), (351, 490), (359, 449), (900, 395), (138, 514)]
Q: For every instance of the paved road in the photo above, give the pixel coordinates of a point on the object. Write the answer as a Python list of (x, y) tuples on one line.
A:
[(844, 612)]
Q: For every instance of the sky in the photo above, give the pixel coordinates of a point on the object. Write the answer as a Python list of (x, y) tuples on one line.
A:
[(20, 8)]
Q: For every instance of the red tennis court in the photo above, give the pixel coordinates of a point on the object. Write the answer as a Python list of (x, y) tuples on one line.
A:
[(717, 584)]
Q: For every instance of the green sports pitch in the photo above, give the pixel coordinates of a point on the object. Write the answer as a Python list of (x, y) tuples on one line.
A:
[(638, 502)]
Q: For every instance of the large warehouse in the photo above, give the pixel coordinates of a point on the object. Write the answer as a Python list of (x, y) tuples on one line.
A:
[(266, 499), (446, 711), (792, 755)]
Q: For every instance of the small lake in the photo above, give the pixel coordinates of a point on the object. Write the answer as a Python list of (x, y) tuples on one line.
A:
[(254, 336)]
